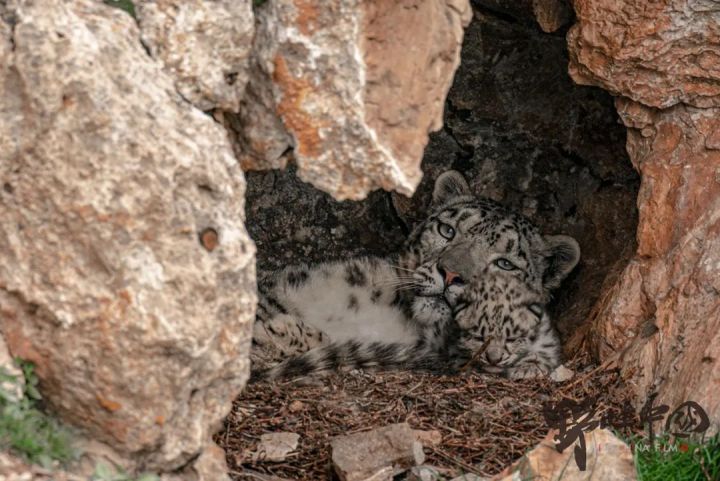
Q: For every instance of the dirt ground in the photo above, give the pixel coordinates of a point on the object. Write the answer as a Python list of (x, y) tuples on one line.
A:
[(486, 422)]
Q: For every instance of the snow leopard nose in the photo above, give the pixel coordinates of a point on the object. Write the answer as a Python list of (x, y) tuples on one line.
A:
[(493, 356), (449, 276)]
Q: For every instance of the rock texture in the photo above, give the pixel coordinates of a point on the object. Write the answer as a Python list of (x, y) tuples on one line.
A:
[(660, 317), (656, 53), (204, 46), (109, 181), (376, 455), (353, 86), (607, 458), (662, 314)]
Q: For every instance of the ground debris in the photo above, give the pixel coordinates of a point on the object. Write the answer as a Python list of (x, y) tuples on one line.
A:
[(484, 422)]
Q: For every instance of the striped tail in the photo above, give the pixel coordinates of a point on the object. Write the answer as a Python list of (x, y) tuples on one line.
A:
[(353, 354)]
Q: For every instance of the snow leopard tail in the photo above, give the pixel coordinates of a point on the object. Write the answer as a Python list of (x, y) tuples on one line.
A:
[(352, 354)]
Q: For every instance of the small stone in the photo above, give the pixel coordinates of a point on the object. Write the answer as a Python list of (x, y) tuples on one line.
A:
[(562, 373), (275, 447), (424, 473), (470, 477), (209, 239), (378, 454), (296, 406), (428, 438)]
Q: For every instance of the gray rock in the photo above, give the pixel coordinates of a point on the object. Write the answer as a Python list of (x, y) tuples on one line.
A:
[(108, 178), (204, 46), (337, 79), (424, 473), (378, 454), (275, 447)]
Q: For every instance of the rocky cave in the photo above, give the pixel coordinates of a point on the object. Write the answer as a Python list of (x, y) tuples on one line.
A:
[(139, 206), (522, 133)]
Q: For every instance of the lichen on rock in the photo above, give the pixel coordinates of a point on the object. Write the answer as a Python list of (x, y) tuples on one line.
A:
[(354, 88)]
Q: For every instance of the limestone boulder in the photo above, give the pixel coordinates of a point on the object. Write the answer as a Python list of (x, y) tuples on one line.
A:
[(656, 53), (354, 87), (662, 315), (658, 318), (204, 45), (126, 274)]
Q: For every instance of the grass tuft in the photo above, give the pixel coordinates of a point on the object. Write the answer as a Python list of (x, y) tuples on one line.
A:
[(25, 429), (678, 460)]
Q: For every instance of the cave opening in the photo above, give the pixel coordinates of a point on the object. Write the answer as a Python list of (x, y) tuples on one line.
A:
[(520, 131)]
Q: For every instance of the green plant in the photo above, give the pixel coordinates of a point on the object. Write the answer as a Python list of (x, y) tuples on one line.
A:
[(104, 472), (24, 428), (678, 460), (124, 5)]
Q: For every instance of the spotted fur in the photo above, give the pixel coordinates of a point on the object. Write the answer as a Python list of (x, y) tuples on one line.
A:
[(498, 322)]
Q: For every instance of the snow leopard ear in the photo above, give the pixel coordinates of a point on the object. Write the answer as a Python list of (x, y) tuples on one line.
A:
[(561, 255), (449, 185)]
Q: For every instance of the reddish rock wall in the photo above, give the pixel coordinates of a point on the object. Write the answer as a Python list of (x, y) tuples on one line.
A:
[(662, 313)]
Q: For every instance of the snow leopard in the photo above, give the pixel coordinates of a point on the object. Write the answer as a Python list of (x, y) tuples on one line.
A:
[(498, 322), (403, 299)]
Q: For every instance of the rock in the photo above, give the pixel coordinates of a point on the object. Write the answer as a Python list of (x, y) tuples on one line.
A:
[(470, 477), (561, 374), (428, 438), (296, 406), (275, 447), (13, 469), (354, 87), (210, 466), (660, 315), (379, 454), (424, 473), (204, 46), (607, 458), (550, 15), (657, 53), (138, 333)]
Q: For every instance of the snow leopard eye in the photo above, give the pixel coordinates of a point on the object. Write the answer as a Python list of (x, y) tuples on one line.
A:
[(536, 309), (505, 264), (446, 231)]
